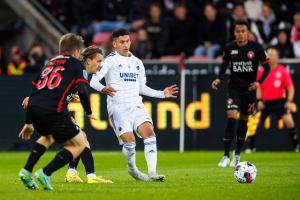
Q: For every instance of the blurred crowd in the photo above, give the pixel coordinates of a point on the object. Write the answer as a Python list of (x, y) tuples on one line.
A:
[(197, 29)]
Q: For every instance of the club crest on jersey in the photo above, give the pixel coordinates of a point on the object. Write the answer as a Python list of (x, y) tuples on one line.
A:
[(120, 66), (250, 54), (138, 67), (85, 74)]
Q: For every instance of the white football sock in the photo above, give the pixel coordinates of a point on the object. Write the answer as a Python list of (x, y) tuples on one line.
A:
[(129, 154), (150, 151)]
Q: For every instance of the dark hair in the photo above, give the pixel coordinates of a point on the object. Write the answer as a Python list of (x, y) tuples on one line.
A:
[(119, 32), (241, 22), (70, 42), (90, 52)]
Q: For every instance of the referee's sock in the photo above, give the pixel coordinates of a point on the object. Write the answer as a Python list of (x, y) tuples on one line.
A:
[(62, 158), (294, 136), (241, 134), (37, 151)]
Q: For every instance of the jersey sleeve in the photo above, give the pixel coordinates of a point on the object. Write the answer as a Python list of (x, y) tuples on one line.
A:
[(262, 54), (144, 89), (81, 74), (81, 82), (100, 74), (225, 61)]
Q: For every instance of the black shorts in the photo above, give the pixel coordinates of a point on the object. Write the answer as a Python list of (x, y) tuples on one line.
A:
[(59, 125), (274, 107), (242, 101)]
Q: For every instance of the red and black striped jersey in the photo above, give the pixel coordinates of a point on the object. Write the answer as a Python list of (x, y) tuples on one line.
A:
[(61, 76)]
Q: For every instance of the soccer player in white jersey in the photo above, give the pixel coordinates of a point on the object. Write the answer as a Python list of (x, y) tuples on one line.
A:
[(125, 73)]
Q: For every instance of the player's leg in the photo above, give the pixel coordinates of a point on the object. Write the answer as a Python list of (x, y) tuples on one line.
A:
[(25, 174), (228, 136), (72, 175), (290, 124), (247, 108), (128, 150), (146, 131), (89, 165), (241, 135), (72, 149)]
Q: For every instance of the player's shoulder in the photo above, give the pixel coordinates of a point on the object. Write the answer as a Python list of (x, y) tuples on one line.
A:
[(110, 58), (255, 44), (75, 63), (134, 58), (230, 45), (283, 68)]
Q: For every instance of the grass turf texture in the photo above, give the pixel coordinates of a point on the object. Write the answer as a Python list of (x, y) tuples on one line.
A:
[(191, 175)]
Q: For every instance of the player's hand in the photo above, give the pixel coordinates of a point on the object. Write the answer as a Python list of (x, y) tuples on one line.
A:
[(25, 102), (215, 84), (171, 91), (109, 91), (260, 105), (288, 105), (26, 132), (253, 86), (92, 116)]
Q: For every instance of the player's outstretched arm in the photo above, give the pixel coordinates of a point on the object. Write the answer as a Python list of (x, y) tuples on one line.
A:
[(171, 91)]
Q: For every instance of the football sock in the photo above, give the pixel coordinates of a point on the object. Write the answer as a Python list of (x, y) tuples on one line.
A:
[(74, 163), (241, 134), (37, 151), (62, 158), (129, 154), (150, 151), (229, 134), (294, 136), (88, 160)]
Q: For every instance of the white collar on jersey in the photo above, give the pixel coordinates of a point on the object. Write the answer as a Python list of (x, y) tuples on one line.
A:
[(130, 54)]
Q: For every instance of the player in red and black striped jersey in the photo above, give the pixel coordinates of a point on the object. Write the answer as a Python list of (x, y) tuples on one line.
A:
[(58, 79), (47, 111), (243, 57)]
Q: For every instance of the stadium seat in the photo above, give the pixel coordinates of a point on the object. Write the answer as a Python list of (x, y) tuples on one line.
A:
[(170, 58), (101, 38), (199, 58)]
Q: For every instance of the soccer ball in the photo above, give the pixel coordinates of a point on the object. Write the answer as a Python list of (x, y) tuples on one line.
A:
[(245, 172)]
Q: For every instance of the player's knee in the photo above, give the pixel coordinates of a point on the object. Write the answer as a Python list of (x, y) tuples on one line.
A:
[(129, 146)]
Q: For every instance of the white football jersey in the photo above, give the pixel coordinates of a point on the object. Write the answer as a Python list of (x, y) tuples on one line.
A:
[(124, 74), (127, 76)]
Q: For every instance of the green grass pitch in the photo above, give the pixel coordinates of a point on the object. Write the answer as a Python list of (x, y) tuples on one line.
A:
[(191, 175)]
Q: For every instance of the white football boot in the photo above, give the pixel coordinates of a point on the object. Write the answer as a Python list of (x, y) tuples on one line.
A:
[(224, 162)]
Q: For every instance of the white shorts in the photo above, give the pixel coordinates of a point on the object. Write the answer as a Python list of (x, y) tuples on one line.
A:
[(127, 118)]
